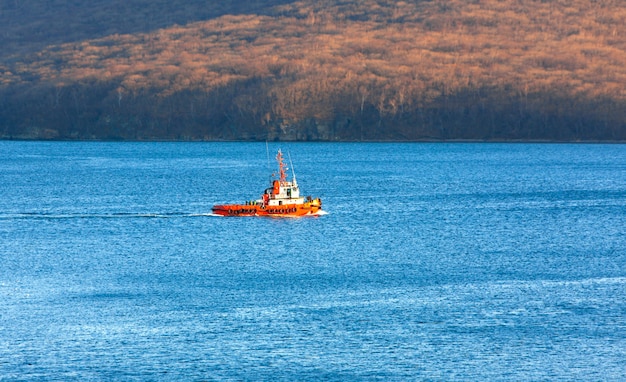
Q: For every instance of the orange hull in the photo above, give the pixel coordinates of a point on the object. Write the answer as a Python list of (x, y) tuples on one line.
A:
[(286, 210)]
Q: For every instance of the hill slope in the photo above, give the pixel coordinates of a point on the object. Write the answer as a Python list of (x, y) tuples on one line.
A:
[(328, 70)]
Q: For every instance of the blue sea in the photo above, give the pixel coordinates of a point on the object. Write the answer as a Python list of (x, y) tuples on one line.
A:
[(444, 261)]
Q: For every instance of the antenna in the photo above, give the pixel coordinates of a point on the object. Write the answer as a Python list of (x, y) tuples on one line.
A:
[(293, 171), (267, 151), (269, 167)]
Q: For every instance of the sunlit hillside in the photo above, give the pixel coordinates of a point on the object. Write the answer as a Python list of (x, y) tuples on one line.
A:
[(318, 70)]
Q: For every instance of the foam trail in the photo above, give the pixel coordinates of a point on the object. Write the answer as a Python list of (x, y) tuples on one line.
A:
[(120, 215)]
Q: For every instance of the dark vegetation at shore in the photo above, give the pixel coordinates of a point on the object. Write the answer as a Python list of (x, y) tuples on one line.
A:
[(313, 70)]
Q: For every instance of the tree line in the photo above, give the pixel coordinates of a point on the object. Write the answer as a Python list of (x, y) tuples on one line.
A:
[(328, 70)]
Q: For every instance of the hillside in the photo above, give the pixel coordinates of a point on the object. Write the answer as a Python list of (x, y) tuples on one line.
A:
[(314, 70)]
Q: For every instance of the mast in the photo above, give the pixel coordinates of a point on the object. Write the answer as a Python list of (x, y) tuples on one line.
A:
[(282, 169)]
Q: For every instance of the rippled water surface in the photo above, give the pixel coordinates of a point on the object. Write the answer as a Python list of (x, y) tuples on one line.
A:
[(434, 261)]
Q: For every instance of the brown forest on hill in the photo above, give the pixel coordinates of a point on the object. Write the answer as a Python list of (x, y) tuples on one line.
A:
[(321, 70)]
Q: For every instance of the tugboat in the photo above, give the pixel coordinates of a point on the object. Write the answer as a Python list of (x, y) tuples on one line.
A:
[(281, 199)]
